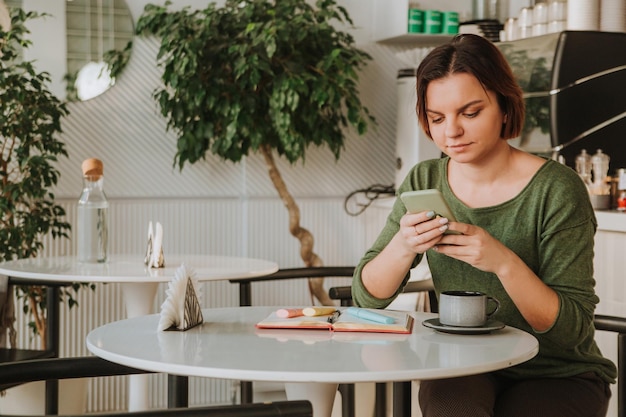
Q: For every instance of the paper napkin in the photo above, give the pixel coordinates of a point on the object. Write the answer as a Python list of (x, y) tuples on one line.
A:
[(181, 309), (154, 253)]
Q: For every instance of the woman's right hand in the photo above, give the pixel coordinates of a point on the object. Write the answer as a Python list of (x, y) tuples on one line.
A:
[(418, 232), (421, 231)]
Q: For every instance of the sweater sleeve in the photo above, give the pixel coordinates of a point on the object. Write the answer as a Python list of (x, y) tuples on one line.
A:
[(566, 252), (420, 177), (360, 295)]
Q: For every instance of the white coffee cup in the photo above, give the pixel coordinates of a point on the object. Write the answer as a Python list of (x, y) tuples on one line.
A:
[(465, 308)]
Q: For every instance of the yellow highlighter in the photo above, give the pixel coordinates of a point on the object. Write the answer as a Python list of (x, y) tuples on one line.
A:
[(318, 311)]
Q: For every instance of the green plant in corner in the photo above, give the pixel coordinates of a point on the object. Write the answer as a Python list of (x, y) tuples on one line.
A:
[(259, 76), (30, 118)]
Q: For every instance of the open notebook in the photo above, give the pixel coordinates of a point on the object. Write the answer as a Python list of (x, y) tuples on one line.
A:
[(342, 322)]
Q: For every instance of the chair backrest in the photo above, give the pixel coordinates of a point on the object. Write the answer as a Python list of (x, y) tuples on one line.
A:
[(245, 291), (344, 293), (273, 409), (83, 367)]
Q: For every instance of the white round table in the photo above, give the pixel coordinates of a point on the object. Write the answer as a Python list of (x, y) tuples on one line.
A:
[(311, 362), (139, 283)]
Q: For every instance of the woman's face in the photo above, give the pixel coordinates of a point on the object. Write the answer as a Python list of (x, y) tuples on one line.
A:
[(465, 120)]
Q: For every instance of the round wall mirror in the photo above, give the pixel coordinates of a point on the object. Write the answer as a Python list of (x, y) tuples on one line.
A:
[(92, 31), (95, 28)]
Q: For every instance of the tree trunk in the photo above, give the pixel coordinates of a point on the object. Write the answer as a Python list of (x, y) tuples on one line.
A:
[(310, 258), (39, 316)]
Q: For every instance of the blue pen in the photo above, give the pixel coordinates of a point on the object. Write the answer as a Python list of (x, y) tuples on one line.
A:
[(369, 315)]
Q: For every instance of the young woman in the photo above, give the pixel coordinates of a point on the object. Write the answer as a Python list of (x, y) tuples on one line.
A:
[(527, 232)]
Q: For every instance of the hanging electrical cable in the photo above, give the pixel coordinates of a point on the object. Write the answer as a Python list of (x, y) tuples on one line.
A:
[(359, 200)]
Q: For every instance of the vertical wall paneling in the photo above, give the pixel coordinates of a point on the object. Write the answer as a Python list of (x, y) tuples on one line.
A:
[(202, 225)]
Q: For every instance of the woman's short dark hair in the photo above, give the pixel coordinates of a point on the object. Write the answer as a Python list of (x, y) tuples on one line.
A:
[(475, 55)]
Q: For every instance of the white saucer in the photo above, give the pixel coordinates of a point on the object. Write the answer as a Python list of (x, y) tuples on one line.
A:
[(490, 326)]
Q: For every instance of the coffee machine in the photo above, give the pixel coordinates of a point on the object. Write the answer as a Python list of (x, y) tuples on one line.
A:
[(574, 84)]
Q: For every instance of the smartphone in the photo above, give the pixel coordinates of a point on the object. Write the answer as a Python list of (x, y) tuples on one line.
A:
[(427, 200)]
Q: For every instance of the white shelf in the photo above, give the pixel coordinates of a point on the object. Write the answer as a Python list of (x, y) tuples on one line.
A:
[(417, 39), (391, 25)]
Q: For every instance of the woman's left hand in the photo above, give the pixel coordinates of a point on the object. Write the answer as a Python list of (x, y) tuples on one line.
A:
[(538, 303), (474, 246)]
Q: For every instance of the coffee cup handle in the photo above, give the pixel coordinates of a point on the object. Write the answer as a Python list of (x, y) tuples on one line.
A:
[(497, 304)]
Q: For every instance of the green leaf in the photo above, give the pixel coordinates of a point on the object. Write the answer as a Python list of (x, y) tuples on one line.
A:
[(30, 121), (263, 73)]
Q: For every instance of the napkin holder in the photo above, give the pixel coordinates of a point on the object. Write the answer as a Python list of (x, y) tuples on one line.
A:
[(154, 252), (181, 309)]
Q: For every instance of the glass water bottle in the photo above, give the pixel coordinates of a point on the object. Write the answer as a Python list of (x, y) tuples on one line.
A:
[(92, 227)]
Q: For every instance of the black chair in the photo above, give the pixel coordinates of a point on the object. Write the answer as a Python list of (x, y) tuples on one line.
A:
[(245, 284), (402, 390), (15, 373), (617, 325), (10, 355), (245, 299), (344, 294), (52, 336)]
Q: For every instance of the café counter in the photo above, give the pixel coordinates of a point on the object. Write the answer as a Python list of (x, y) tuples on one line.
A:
[(610, 262)]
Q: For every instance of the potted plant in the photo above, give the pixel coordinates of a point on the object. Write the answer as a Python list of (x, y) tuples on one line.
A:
[(259, 76), (30, 119)]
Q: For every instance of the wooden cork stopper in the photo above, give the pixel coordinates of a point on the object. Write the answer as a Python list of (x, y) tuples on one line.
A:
[(92, 167)]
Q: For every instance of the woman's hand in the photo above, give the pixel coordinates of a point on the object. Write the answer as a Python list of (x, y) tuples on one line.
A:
[(422, 231), (538, 303), (474, 246), (418, 232)]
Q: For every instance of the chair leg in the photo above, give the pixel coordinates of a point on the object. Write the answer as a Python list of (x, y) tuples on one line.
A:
[(347, 400), (177, 391), (401, 399), (246, 392), (52, 344), (380, 409), (52, 397)]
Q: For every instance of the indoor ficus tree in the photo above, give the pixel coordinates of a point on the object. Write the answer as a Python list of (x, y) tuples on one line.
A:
[(30, 119), (259, 76)]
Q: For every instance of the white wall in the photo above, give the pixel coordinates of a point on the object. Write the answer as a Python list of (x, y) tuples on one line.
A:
[(48, 47)]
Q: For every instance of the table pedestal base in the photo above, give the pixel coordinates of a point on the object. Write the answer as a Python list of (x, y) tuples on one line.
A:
[(138, 299), (321, 396)]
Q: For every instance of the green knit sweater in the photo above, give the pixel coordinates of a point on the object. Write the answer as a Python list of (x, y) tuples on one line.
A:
[(550, 225)]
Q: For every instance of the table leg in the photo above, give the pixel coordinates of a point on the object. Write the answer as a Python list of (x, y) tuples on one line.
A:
[(401, 399), (177, 391), (321, 395), (138, 299), (247, 396)]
